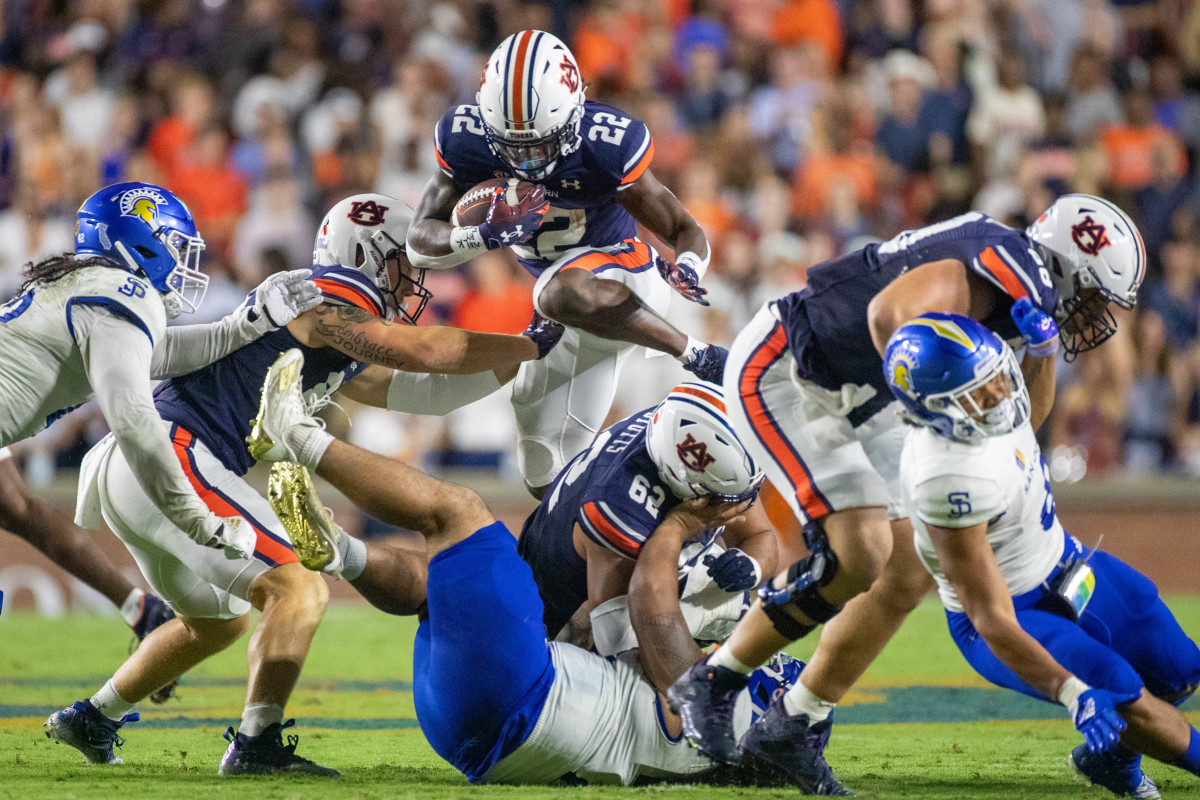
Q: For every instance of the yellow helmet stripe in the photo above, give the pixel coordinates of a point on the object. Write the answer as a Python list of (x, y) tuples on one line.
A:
[(947, 330)]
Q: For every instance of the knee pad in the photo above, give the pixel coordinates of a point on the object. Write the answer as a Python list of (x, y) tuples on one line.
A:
[(801, 591)]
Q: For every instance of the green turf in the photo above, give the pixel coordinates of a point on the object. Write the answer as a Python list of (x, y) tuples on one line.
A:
[(920, 726)]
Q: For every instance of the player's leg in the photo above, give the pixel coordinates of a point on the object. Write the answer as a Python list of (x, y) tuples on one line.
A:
[(24, 514)]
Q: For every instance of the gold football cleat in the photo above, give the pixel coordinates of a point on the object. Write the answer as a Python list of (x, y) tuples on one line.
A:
[(308, 522), (280, 390)]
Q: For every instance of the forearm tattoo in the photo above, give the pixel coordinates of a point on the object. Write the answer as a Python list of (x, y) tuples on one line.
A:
[(349, 329), (666, 647)]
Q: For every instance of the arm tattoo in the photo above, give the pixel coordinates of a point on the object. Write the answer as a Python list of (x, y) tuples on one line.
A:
[(348, 329), (578, 630), (667, 649)]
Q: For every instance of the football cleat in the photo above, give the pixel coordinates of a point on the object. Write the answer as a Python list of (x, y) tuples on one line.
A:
[(154, 613), (281, 410), (789, 743), (704, 698), (83, 727), (266, 754), (309, 523), (1119, 770)]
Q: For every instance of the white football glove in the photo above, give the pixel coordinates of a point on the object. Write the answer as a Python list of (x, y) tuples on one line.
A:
[(230, 534), (281, 298)]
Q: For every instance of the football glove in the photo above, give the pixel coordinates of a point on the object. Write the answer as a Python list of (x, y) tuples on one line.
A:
[(1037, 328), (508, 225), (733, 570), (544, 332), (281, 298), (1094, 713), (683, 277), (231, 534), (707, 363)]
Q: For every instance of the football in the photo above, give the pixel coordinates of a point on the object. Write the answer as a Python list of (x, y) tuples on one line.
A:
[(472, 207)]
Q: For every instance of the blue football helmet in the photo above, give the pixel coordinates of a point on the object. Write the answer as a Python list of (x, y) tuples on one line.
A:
[(149, 230), (934, 362)]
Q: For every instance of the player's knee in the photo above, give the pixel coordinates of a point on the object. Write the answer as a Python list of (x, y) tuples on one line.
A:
[(291, 586), (863, 557), (218, 632), (903, 590), (16, 506), (460, 511), (799, 601)]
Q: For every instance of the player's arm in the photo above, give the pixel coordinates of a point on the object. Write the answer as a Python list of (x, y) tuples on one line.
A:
[(657, 208), (117, 355), (946, 286), (665, 646), (429, 243), (752, 554), (423, 392), (366, 337)]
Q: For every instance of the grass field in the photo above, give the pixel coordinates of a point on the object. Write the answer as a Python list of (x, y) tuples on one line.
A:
[(921, 725)]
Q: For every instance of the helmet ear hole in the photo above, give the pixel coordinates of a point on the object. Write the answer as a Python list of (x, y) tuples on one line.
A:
[(145, 252)]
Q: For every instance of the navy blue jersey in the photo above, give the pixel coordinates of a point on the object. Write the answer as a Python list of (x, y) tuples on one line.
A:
[(217, 403), (614, 151), (826, 322), (614, 493)]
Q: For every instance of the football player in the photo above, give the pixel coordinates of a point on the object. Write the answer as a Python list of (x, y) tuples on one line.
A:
[(364, 283), (589, 532), (808, 397), (541, 710), (1028, 606), (575, 232)]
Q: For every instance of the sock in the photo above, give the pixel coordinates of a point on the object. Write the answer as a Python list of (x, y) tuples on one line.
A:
[(311, 443), (111, 704), (724, 657), (131, 609), (257, 717), (1190, 760), (354, 556), (799, 700)]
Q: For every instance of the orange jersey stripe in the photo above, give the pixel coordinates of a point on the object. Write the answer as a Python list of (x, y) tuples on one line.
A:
[(710, 397), (637, 171), (1003, 272), (220, 506), (348, 293), (441, 161), (760, 419), (637, 256), (610, 532)]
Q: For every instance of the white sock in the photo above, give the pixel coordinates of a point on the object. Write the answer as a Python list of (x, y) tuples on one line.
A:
[(111, 704), (257, 717), (354, 556), (131, 609), (724, 657), (799, 700), (311, 443)]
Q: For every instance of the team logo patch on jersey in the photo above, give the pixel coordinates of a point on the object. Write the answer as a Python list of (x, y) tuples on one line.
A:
[(142, 203), (1020, 459), (1090, 236), (367, 213), (694, 454), (570, 74)]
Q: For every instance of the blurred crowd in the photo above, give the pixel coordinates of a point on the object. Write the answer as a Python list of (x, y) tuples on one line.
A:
[(793, 130)]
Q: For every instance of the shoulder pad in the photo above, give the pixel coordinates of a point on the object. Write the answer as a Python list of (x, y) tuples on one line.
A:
[(461, 148), (1010, 263), (619, 145)]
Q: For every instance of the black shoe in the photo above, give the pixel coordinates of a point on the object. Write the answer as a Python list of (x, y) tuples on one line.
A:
[(1119, 770), (88, 731), (154, 614), (795, 747), (704, 698), (266, 754)]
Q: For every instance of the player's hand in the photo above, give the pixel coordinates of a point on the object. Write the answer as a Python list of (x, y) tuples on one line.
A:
[(705, 513), (545, 333), (707, 363), (734, 570), (1095, 715), (683, 277), (281, 298), (508, 225), (1037, 328)]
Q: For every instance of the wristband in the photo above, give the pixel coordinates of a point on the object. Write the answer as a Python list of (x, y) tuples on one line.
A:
[(1070, 691), (690, 259), (467, 240), (690, 350), (1046, 348)]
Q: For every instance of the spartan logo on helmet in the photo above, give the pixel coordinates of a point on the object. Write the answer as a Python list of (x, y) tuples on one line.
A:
[(694, 454), (1090, 236), (367, 213), (142, 202)]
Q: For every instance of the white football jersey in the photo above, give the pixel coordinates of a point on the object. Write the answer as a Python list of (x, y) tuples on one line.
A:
[(1001, 480), (42, 371), (604, 724)]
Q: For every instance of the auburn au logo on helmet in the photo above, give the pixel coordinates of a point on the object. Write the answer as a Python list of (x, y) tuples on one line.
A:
[(1090, 236), (694, 454), (367, 213)]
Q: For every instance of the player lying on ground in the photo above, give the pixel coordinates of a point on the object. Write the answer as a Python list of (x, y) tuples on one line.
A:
[(95, 321), (807, 395), (585, 538), (1028, 606), (576, 233), (364, 282), (540, 710)]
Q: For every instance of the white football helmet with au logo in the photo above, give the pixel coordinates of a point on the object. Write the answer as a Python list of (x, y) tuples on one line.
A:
[(1089, 243), (366, 232), (690, 440), (531, 102)]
